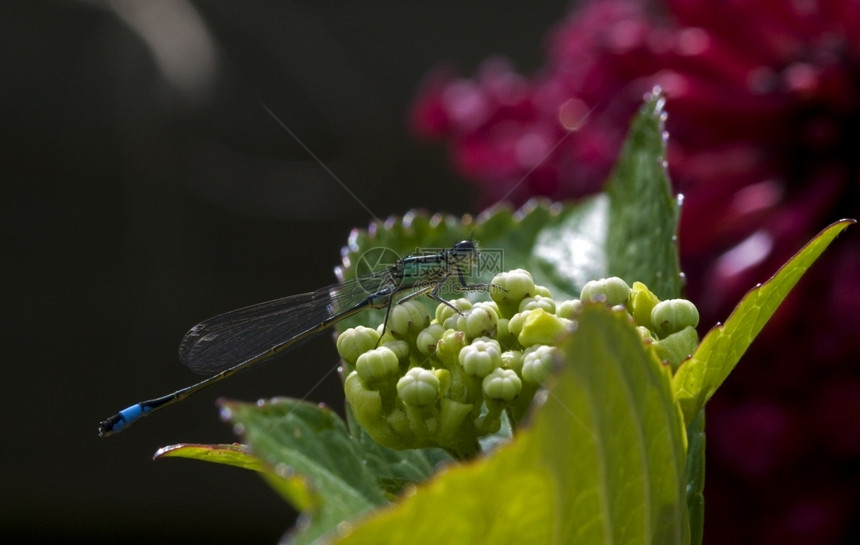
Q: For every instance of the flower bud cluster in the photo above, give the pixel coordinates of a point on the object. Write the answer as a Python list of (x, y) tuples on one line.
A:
[(447, 380), (668, 326)]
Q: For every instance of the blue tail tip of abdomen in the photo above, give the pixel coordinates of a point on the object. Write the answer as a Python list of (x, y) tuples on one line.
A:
[(119, 421)]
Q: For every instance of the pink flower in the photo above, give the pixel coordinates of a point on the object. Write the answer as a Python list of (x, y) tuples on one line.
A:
[(764, 122)]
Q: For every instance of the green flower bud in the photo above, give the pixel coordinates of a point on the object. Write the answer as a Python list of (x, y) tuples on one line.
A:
[(538, 301), (399, 422), (613, 290), (642, 301), (493, 305), (569, 309), (542, 291), (515, 286), (541, 327), (502, 385), (367, 408), (677, 347), (513, 360), (400, 349), (355, 341), (644, 333), (673, 315), (482, 320), (481, 357), (376, 364), (443, 311), (538, 362), (407, 319), (419, 387), (515, 324), (456, 321), (428, 338), (450, 435), (449, 346), (503, 335), (385, 335), (444, 377)]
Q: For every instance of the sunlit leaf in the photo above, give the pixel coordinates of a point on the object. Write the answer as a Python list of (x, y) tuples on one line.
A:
[(293, 487), (721, 349)]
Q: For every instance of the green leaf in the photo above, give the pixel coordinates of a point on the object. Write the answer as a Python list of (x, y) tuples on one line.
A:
[(295, 437), (232, 455), (721, 349), (603, 461), (696, 478), (641, 243), (293, 487), (507, 240)]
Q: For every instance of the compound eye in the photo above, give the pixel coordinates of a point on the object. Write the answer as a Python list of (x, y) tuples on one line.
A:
[(464, 246)]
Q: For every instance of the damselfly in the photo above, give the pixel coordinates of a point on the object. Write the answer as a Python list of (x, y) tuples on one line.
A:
[(228, 343)]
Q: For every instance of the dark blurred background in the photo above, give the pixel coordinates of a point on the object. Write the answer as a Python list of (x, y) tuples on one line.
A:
[(147, 188)]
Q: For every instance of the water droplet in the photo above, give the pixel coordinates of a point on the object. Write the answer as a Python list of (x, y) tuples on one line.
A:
[(344, 529)]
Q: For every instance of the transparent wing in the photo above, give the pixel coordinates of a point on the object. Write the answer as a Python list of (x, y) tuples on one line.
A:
[(248, 333)]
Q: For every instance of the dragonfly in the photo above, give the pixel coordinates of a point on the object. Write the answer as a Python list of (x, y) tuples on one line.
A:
[(234, 341)]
